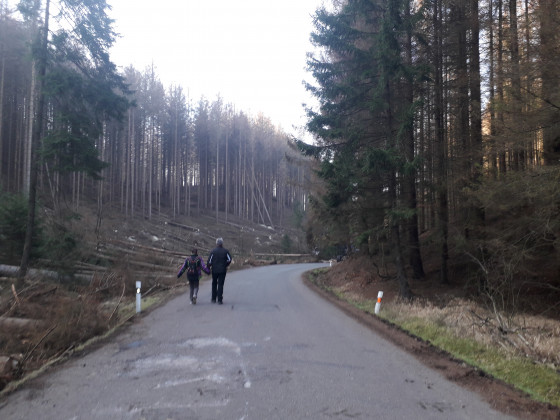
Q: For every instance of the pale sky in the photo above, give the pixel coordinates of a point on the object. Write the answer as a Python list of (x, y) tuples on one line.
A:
[(251, 52)]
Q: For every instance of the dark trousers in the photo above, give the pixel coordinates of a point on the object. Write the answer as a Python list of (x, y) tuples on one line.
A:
[(193, 284), (218, 280)]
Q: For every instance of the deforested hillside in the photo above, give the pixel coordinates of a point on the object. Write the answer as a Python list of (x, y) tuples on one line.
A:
[(61, 304)]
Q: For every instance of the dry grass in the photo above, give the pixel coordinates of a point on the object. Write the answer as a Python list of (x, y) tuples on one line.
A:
[(520, 348), (517, 333), (523, 352), (526, 335), (61, 317)]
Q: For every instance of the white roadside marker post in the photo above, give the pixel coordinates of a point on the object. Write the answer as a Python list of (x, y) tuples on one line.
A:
[(378, 304), (138, 297)]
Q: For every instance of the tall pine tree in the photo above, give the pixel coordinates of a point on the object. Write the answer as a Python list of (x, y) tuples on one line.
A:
[(81, 84), (364, 126)]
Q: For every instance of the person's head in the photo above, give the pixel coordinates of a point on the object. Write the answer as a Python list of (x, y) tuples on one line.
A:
[(219, 241), (194, 251)]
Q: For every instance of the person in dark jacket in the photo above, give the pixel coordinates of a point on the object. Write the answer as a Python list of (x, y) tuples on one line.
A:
[(193, 265), (218, 261)]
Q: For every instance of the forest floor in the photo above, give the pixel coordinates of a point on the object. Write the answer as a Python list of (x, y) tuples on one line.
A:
[(45, 321)]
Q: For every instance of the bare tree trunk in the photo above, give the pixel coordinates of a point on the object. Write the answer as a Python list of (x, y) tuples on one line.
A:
[(158, 168), (133, 165), (226, 174), (500, 88), (529, 101), (175, 182), (475, 118), (396, 245), (41, 65), (217, 172), (2, 84), (412, 226), (491, 81), (518, 150), (142, 183), (240, 183), (28, 145), (550, 57), (440, 148), (475, 98), (150, 169)]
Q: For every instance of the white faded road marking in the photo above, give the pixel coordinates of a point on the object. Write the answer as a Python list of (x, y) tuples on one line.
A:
[(211, 378), (199, 343), (210, 365), (166, 360)]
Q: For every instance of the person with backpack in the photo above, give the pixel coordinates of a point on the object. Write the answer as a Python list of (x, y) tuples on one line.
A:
[(218, 261), (193, 265)]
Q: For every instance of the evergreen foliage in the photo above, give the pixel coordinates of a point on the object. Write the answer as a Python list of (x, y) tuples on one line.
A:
[(83, 87), (364, 117), (60, 245), (13, 224), (286, 244), (408, 141), (76, 132), (75, 87)]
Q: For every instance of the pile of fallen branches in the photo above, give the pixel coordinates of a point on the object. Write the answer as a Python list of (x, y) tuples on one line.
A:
[(44, 320)]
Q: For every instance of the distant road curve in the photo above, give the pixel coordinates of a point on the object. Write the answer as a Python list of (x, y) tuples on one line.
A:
[(274, 350)]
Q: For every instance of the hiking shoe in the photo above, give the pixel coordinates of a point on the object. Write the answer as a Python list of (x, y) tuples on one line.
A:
[(194, 300), (213, 300), (220, 302)]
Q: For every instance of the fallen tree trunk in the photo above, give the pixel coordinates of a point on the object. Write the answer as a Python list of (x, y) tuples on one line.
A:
[(9, 323), (194, 229), (11, 271), (147, 248), (280, 255)]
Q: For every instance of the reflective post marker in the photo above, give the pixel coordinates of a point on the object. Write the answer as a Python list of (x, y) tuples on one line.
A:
[(378, 304), (138, 296)]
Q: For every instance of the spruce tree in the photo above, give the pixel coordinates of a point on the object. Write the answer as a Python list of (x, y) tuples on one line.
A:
[(364, 126), (81, 84)]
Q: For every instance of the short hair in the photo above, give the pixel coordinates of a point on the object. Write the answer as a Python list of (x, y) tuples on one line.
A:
[(219, 241), (194, 251)]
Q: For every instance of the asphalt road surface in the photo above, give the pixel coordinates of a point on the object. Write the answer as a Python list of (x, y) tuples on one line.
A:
[(273, 350)]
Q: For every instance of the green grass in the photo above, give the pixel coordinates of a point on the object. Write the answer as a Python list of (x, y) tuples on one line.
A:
[(539, 381)]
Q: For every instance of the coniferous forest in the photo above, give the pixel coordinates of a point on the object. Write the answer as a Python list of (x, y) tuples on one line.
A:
[(437, 133), (75, 130), (432, 174)]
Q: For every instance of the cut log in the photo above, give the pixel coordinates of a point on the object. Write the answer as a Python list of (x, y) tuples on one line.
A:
[(9, 322)]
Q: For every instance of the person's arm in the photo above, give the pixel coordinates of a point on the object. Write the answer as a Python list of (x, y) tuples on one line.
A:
[(183, 268), (228, 259), (204, 267)]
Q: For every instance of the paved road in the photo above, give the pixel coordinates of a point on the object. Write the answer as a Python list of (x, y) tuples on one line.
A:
[(274, 350)]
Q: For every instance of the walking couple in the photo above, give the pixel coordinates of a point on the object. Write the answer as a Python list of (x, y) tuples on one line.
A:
[(218, 262)]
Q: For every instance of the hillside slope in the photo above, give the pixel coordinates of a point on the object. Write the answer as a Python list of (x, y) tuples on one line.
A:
[(46, 317)]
